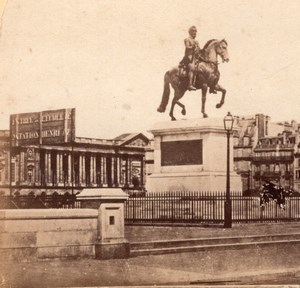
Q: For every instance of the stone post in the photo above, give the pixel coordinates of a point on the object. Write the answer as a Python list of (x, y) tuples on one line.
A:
[(111, 242)]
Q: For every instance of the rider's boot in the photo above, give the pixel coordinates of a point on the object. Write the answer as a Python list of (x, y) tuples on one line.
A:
[(191, 78)]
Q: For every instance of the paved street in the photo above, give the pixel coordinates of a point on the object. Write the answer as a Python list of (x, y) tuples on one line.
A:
[(152, 270), (169, 269)]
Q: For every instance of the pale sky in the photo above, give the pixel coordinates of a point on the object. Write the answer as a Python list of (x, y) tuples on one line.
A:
[(107, 59)]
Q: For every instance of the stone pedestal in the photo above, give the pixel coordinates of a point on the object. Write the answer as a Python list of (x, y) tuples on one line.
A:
[(191, 155), (111, 242)]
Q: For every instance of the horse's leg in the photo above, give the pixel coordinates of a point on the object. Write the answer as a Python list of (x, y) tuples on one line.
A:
[(183, 111), (220, 88), (172, 109), (204, 91), (177, 95), (180, 95)]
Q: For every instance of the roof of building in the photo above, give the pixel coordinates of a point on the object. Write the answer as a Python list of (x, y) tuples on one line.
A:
[(123, 136), (121, 140), (129, 138)]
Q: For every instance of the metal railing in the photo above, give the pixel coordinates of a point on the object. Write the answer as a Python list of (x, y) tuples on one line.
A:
[(165, 208), (205, 208)]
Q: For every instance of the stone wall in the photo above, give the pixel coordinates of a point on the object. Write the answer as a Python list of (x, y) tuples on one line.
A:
[(32, 234)]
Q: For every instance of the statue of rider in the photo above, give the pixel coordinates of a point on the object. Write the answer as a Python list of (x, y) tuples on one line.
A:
[(189, 58), (191, 45)]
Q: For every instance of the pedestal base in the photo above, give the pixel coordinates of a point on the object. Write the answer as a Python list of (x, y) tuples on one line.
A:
[(190, 155), (112, 250), (200, 181)]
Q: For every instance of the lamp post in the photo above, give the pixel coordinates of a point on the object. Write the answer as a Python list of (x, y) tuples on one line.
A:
[(228, 125)]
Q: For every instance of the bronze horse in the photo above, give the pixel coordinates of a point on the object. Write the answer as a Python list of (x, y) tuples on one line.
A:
[(206, 76)]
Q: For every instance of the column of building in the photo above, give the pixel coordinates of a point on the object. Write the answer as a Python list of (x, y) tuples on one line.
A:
[(14, 170), (103, 172), (115, 171), (7, 164), (49, 172), (93, 170), (82, 170), (59, 169), (129, 172), (70, 170), (98, 170), (118, 170), (143, 171), (22, 168), (122, 171), (37, 168), (112, 170)]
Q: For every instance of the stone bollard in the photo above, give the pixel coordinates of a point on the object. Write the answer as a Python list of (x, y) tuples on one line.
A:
[(111, 242)]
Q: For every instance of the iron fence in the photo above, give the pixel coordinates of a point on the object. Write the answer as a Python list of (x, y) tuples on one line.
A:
[(205, 208), (165, 208)]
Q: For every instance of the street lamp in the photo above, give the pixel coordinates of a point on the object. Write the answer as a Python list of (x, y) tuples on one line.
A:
[(228, 125)]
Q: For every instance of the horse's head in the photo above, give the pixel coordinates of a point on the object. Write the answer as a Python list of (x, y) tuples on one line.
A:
[(221, 49), (215, 47)]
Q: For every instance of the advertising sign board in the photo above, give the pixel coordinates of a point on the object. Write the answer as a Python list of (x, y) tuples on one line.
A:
[(46, 127)]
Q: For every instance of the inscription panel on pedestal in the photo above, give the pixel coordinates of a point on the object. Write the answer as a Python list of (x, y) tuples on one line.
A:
[(174, 153)]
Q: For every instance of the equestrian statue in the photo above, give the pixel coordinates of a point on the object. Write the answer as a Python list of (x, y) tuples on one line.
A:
[(197, 70)]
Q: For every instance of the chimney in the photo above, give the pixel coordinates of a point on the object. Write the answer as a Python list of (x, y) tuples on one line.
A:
[(261, 122)]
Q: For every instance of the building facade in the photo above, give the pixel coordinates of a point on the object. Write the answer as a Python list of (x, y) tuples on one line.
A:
[(86, 162), (266, 151), (43, 159)]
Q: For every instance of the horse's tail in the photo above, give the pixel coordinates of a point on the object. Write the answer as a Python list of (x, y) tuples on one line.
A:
[(166, 94)]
